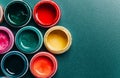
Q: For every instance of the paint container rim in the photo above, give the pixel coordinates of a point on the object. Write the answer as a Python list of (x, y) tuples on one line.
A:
[(35, 30), (56, 7), (66, 32), (28, 8), (1, 14), (48, 55), (11, 38), (23, 57)]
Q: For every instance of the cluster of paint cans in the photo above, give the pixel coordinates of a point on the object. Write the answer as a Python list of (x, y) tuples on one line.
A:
[(29, 39)]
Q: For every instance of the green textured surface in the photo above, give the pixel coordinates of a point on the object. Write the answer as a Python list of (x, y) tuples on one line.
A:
[(95, 28)]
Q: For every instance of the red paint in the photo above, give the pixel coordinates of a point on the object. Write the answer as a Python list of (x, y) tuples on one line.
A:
[(43, 65), (46, 13), (4, 40)]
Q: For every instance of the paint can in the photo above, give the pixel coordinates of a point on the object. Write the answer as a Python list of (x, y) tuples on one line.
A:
[(14, 64), (43, 65), (6, 39), (46, 13), (58, 39), (29, 39), (17, 13)]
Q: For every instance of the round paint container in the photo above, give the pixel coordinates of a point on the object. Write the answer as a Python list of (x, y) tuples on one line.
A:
[(14, 64), (29, 39), (17, 13), (1, 14), (6, 40), (46, 13), (57, 40), (43, 65)]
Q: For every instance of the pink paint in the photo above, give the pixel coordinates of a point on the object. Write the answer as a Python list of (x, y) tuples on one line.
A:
[(6, 39)]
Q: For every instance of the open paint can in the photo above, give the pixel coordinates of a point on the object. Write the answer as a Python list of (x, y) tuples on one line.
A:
[(14, 64), (46, 13), (43, 65), (29, 39), (57, 39), (6, 39), (17, 13)]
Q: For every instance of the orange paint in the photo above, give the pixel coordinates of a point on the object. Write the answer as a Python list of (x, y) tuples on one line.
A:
[(42, 66)]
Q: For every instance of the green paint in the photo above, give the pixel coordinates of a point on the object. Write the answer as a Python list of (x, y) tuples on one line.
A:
[(17, 13), (28, 40)]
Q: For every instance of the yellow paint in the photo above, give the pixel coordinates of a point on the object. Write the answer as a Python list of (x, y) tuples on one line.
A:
[(57, 40)]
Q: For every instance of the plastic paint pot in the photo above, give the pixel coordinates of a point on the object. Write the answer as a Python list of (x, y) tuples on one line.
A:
[(1, 14), (17, 13), (46, 13), (43, 65), (6, 40), (57, 40), (29, 39), (14, 64)]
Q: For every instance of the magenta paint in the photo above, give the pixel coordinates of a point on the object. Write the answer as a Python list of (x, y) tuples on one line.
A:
[(6, 39)]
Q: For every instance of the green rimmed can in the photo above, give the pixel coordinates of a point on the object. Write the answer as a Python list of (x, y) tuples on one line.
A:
[(14, 64), (29, 39), (17, 13)]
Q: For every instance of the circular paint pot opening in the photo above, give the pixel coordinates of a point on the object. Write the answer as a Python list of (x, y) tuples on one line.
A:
[(43, 65), (57, 39), (29, 39), (46, 13), (1, 14), (14, 64), (17, 13), (6, 40)]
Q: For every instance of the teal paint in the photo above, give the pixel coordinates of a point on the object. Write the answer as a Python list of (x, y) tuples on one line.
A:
[(29, 39)]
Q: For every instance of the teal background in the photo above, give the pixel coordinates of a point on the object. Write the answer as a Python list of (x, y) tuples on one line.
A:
[(95, 28)]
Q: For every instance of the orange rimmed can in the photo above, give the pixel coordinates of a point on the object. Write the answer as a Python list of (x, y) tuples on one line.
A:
[(43, 65)]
